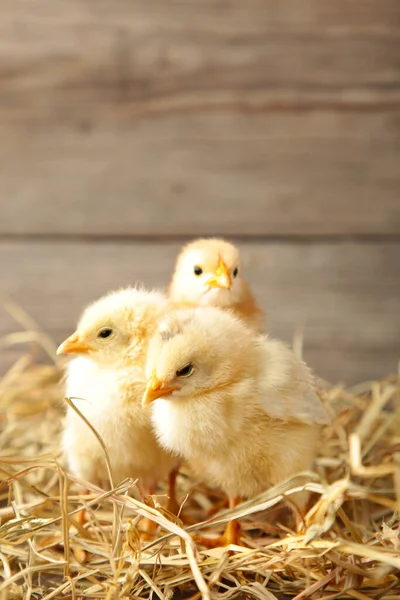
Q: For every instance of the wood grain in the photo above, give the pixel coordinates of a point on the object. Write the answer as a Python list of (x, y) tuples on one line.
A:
[(130, 117), (315, 173), (86, 58), (345, 295)]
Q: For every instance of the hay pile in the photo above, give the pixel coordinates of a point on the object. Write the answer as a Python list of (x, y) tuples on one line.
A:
[(350, 547)]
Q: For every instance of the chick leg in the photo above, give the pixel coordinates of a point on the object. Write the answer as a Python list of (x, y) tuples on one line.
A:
[(232, 532), (81, 516), (298, 505), (148, 527), (217, 507), (173, 505), (79, 553)]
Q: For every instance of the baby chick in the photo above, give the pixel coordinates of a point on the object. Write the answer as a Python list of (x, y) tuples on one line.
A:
[(106, 382), (208, 272), (239, 407)]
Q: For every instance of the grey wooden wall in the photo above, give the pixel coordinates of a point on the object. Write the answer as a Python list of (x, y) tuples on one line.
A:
[(129, 126)]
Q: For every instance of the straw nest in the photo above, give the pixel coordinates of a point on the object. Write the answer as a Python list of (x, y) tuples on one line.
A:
[(350, 546)]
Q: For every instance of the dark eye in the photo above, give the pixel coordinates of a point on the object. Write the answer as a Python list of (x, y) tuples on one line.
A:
[(185, 371), (235, 271), (105, 333), (198, 271)]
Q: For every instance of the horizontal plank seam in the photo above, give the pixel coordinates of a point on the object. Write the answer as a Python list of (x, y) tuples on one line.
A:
[(182, 108), (174, 238)]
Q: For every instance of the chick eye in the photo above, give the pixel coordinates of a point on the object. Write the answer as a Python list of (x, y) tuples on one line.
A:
[(197, 270), (235, 271), (105, 333), (185, 371)]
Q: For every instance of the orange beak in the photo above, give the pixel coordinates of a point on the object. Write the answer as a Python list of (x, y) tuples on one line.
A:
[(73, 345), (155, 389), (222, 278)]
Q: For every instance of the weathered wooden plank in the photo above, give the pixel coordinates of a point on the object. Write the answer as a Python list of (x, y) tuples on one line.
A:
[(346, 295), (84, 58), (134, 117), (311, 174)]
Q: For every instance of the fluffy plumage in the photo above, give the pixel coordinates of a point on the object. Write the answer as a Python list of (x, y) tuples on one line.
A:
[(239, 407), (208, 272), (107, 383)]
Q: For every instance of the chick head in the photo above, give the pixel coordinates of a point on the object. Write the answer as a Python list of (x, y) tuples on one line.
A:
[(194, 352), (117, 327), (208, 272)]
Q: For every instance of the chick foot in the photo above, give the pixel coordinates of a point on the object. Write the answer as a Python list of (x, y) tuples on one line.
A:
[(231, 535)]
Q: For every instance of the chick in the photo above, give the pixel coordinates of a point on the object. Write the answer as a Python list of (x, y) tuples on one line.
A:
[(208, 272), (106, 382), (239, 407)]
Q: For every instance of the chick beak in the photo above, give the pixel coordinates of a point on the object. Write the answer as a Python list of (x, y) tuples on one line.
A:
[(222, 278), (155, 389), (74, 345)]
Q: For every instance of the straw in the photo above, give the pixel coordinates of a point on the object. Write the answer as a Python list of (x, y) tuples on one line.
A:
[(350, 547)]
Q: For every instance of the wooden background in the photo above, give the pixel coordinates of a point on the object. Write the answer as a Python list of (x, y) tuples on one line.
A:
[(129, 126)]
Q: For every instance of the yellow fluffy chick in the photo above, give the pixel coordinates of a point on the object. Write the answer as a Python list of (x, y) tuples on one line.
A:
[(106, 382), (239, 407), (208, 272)]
